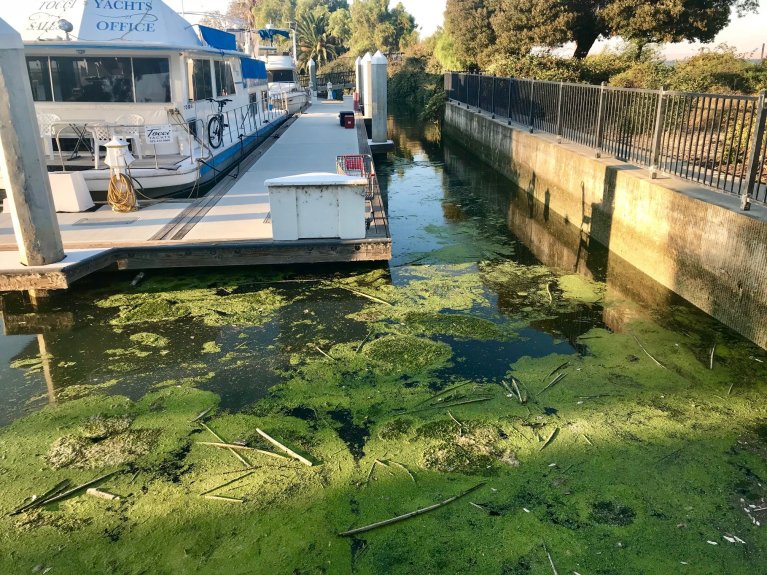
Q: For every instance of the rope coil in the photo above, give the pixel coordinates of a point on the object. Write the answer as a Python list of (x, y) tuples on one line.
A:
[(122, 194)]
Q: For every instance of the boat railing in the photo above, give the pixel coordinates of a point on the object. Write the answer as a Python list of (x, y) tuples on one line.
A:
[(242, 121), (189, 135)]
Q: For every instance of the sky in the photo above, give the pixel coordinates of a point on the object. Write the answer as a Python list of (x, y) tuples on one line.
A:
[(745, 34)]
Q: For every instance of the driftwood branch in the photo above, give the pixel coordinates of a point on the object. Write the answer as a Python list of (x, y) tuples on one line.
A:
[(409, 515)]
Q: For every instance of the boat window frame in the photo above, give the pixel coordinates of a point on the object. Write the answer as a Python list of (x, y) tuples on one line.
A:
[(222, 67), (131, 59), (190, 83)]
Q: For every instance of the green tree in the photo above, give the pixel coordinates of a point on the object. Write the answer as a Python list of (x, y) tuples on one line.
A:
[(314, 39), (553, 22), (376, 27), (468, 26)]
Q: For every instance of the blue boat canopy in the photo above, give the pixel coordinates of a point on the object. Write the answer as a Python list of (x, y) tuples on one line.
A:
[(270, 33), (253, 69), (218, 38)]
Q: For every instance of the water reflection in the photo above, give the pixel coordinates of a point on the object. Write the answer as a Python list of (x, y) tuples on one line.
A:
[(447, 210)]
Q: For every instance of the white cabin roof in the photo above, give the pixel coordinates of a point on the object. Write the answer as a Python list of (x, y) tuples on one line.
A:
[(123, 22), (274, 62)]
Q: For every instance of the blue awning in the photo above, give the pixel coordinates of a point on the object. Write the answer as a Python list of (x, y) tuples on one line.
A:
[(270, 33), (218, 38), (253, 69)]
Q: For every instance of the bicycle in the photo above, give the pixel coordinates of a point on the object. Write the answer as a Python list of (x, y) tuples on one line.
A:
[(217, 124)]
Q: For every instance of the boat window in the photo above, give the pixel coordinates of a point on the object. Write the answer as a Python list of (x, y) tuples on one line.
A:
[(152, 79), (66, 79), (280, 75), (201, 84), (92, 79), (224, 79), (40, 78)]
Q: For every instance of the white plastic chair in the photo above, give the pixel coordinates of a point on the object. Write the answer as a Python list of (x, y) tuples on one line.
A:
[(130, 127), (47, 124), (101, 134)]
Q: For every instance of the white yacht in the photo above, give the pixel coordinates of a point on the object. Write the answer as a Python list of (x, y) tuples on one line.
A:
[(188, 101), (285, 89)]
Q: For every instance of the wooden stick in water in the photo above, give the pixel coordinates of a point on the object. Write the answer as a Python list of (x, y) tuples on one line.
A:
[(553, 382), (56, 489), (556, 369), (405, 468), (464, 402), (78, 488), (550, 439), (361, 294), (287, 450), (228, 483), (244, 461), (409, 515), (364, 341), (551, 561), (223, 498), (241, 448), (443, 392), (323, 353), (202, 415), (659, 364)]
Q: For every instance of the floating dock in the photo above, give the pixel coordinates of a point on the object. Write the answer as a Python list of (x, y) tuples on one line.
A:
[(230, 226)]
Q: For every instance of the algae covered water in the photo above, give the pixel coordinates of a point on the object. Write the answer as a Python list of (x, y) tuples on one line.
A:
[(608, 427)]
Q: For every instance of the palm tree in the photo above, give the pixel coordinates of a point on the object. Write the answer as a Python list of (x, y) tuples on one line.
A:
[(314, 40)]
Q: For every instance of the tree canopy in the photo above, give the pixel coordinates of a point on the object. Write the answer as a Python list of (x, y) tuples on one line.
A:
[(516, 26), (328, 29)]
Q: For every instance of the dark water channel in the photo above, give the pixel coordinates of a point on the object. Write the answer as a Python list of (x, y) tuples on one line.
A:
[(484, 284)]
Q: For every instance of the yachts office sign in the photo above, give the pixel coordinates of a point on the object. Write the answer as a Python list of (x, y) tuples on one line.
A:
[(94, 20), (116, 19)]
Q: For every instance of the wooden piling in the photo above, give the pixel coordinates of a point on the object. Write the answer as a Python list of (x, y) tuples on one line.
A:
[(29, 191)]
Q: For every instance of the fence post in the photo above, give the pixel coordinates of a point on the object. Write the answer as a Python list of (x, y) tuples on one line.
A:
[(479, 93), (657, 135), (754, 168), (492, 101), (508, 106), (559, 113), (600, 120), (532, 94)]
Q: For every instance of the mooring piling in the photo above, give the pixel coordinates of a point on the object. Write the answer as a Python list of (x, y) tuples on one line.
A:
[(29, 191)]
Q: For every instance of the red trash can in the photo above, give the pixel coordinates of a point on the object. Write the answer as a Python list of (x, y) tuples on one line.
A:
[(349, 122)]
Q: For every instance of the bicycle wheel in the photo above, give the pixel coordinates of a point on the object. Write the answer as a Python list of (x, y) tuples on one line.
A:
[(215, 132)]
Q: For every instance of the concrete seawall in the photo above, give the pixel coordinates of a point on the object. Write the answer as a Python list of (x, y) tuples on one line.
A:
[(694, 241)]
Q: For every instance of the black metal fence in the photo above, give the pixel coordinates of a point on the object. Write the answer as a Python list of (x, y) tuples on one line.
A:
[(714, 139), (338, 79)]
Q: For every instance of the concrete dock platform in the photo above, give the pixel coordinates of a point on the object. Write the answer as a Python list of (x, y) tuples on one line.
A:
[(230, 226)]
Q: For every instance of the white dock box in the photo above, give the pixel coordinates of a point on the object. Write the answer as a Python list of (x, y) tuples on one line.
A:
[(318, 205)]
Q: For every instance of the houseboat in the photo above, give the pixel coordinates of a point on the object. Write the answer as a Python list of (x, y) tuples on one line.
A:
[(188, 101)]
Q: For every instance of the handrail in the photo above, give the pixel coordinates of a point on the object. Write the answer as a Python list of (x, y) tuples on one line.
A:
[(718, 140)]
